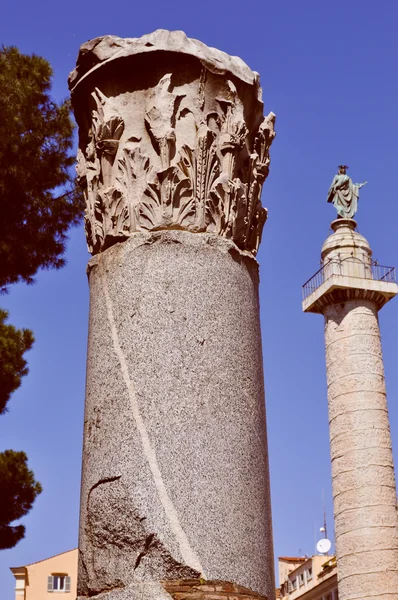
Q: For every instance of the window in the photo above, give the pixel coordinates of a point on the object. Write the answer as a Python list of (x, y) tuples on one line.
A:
[(301, 579), (309, 574), (294, 584), (58, 583)]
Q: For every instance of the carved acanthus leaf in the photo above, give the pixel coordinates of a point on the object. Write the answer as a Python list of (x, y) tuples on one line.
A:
[(117, 213), (233, 131), (167, 202), (201, 167), (262, 144), (88, 175), (107, 123), (108, 127), (160, 119), (256, 228), (258, 169), (94, 224), (134, 171), (226, 208)]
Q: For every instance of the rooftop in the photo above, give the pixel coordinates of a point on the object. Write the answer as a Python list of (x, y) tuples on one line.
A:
[(309, 578)]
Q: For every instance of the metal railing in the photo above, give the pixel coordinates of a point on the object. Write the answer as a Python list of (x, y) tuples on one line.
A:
[(349, 268)]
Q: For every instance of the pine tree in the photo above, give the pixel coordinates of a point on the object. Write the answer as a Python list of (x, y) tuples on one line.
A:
[(13, 344), (18, 492), (38, 199), (38, 203)]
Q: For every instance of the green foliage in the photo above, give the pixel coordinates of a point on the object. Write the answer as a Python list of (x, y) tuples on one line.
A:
[(38, 203), (35, 162), (18, 488), (18, 492), (13, 344)]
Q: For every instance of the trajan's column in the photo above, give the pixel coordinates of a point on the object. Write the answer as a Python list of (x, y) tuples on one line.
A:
[(173, 153), (349, 290)]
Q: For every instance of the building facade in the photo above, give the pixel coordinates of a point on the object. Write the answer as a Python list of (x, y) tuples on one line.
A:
[(313, 578), (42, 579)]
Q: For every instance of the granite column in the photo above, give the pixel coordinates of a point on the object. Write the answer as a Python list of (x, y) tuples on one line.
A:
[(173, 152)]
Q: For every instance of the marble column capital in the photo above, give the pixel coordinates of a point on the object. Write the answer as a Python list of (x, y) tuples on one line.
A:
[(171, 136)]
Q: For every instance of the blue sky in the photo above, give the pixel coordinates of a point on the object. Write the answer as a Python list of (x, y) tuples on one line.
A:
[(328, 71)]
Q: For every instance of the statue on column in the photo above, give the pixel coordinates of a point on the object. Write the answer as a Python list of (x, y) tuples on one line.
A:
[(344, 194)]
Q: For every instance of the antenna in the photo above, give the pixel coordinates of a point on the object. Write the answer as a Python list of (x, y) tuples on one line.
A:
[(315, 535), (324, 545), (324, 514)]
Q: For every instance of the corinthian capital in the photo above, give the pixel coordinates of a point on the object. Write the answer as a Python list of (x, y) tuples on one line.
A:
[(171, 136)]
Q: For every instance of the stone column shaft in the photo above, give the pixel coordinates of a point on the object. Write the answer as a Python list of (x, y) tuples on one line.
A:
[(175, 475), (364, 490)]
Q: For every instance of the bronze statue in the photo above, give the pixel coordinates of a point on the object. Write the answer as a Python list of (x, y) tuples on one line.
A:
[(344, 194)]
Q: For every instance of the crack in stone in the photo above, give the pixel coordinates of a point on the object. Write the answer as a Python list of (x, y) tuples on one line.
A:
[(141, 555), (101, 482)]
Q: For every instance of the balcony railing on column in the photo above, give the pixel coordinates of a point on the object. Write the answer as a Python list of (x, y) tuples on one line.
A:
[(348, 268)]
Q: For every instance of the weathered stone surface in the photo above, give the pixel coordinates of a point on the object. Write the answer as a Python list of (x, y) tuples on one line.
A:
[(175, 470), (171, 136), (98, 51), (122, 543), (138, 590), (197, 589)]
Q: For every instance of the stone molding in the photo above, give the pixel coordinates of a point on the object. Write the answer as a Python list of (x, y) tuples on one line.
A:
[(188, 154), (340, 295)]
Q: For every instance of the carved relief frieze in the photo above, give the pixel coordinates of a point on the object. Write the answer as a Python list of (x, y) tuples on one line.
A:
[(163, 176)]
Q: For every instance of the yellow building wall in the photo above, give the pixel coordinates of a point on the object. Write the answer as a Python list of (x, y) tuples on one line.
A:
[(38, 573)]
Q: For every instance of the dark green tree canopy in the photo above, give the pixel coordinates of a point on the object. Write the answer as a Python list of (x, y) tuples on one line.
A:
[(13, 344), (38, 203), (18, 492), (38, 199)]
